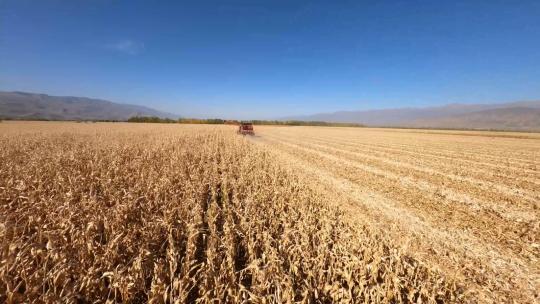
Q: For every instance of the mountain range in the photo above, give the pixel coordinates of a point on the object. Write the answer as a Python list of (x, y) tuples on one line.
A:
[(522, 115), (22, 105)]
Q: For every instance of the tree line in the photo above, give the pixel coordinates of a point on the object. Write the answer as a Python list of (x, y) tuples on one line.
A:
[(218, 121)]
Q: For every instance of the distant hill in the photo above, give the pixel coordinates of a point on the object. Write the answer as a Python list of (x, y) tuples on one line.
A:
[(507, 116), (516, 118), (21, 105)]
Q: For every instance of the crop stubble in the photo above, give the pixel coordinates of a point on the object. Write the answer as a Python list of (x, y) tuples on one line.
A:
[(466, 203)]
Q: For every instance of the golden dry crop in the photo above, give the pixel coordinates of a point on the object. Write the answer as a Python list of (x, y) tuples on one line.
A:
[(155, 213)]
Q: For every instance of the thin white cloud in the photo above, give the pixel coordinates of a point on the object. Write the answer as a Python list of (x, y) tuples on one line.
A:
[(126, 46)]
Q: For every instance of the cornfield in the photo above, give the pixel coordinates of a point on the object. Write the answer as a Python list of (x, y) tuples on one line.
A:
[(109, 213)]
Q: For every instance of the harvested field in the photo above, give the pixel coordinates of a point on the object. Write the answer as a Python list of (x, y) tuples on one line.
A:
[(194, 214), (465, 203)]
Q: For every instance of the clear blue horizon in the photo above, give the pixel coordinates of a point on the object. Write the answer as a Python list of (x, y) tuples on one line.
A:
[(268, 59)]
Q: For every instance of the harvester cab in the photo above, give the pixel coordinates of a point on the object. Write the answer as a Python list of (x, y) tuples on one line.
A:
[(245, 128)]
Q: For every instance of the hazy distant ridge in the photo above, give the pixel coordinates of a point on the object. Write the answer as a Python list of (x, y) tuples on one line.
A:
[(21, 105), (523, 115)]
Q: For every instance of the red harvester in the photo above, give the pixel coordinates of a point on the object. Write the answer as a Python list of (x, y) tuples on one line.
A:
[(245, 128)]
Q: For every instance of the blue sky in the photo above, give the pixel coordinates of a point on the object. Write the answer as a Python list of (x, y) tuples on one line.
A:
[(266, 59)]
